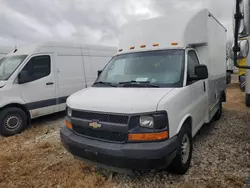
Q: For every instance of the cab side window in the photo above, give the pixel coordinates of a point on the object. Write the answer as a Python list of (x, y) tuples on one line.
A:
[(38, 67), (192, 62)]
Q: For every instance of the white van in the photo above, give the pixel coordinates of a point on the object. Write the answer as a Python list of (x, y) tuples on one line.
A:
[(36, 79), (167, 80)]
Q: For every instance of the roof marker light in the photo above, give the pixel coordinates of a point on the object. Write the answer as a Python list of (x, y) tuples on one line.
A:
[(131, 48), (143, 46), (174, 43), (155, 45), (120, 50)]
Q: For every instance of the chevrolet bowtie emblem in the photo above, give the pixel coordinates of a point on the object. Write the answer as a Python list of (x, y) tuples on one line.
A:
[(95, 125)]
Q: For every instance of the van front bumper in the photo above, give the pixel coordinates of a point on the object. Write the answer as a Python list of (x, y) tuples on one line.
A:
[(135, 156)]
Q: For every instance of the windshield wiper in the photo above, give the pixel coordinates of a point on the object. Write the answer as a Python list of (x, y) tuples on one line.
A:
[(138, 83), (105, 83)]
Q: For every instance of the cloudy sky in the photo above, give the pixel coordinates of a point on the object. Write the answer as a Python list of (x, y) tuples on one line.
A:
[(89, 21)]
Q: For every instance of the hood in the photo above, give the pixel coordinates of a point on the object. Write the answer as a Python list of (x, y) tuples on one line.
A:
[(118, 100), (2, 83)]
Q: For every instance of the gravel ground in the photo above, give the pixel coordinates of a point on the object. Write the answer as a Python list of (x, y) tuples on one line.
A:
[(221, 157)]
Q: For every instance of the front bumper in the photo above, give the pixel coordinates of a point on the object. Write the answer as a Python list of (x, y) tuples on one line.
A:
[(135, 156)]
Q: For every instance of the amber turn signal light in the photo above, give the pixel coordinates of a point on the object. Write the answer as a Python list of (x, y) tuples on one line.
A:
[(68, 124), (148, 136)]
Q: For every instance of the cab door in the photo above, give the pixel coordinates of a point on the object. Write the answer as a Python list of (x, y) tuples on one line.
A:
[(38, 91), (197, 90)]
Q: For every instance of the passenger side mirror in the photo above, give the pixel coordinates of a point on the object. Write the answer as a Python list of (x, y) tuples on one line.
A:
[(201, 72), (23, 77), (99, 72)]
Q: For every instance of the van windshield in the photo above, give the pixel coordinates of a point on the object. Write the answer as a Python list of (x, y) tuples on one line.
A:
[(162, 68), (9, 64)]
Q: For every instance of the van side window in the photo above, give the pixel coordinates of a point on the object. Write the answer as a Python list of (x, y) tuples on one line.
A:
[(192, 62), (38, 67)]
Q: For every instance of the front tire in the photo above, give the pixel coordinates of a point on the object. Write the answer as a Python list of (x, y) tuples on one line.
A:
[(219, 112), (12, 121), (181, 162)]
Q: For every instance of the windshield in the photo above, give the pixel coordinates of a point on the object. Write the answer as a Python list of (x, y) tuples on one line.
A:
[(163, 68), (9, 64)]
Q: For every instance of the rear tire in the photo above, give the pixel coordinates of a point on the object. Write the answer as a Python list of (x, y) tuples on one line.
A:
[(242, 83), (219, 112), (12, 121), (181, 162), (247, 100)]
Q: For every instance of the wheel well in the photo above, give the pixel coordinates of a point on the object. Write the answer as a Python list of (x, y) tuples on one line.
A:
[(21, 107), (188, 122), (223, 96)]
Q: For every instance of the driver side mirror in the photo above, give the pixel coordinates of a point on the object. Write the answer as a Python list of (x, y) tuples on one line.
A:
[(201, 72), (23, 77), (99, 72)]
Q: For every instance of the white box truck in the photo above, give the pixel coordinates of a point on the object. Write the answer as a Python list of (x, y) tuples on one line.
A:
[(167, 80), (36, 79)]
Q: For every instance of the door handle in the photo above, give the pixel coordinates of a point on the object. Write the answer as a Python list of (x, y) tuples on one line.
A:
[(49, 83), (204, 85)]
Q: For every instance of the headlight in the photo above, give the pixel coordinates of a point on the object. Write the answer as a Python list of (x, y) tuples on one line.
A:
[(147, 122), (69, 112)]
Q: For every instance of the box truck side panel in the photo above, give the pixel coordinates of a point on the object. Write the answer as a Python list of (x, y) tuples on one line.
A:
[(217, 49), (214, 56)]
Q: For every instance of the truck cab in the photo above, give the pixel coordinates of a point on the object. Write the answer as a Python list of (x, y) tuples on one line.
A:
[(152, 98)]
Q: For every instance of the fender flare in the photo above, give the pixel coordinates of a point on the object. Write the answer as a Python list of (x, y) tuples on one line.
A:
[(184, 119), (21, 106)]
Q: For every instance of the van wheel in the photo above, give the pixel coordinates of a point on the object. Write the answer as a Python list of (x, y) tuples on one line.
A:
[(181, 162), (218, 113), (12, 121), (247, 100)]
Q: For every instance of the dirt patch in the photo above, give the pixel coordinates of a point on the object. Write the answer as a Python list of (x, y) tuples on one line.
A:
[(45, 164)]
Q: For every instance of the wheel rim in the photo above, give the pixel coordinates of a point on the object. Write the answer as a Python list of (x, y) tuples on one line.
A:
[(12, 122), (185, 149)]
